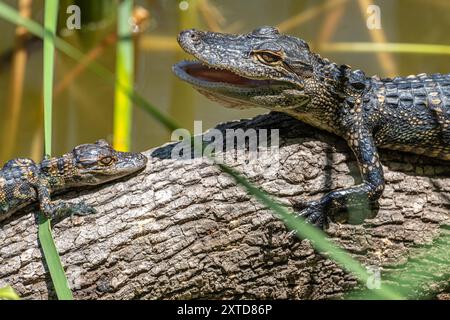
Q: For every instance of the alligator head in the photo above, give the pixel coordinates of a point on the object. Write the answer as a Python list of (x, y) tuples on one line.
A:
[(98, 162), (263, 68), (92, 164)]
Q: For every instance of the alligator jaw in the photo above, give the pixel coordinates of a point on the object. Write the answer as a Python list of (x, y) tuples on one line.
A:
[(201, 75)]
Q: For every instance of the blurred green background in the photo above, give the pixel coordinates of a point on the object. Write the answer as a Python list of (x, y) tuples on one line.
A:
[(84, 103)]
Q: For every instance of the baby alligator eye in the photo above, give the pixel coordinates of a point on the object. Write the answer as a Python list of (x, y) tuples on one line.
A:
[(106, 161), (268, 57)]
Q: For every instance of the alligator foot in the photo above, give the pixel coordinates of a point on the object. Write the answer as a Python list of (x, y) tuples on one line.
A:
[(313, 212), (63, 210), (82, 209)]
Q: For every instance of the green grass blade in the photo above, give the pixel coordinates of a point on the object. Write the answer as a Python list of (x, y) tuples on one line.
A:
[(428, 264), (51, 11), (8, 293), (45, 235), (53, 261), (125, 77)]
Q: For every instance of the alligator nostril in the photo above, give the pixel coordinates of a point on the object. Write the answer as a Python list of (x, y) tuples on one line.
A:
[(191, 36), (194, 36), (266, 30)]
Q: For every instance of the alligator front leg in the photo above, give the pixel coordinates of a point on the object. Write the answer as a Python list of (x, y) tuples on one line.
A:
[(359, 196), (60, 210)]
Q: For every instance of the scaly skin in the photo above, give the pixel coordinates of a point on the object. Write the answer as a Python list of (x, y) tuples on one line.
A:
[(280, 73), (22, 181)]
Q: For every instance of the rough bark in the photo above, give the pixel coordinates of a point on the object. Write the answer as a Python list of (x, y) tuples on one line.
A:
[(184, 229)]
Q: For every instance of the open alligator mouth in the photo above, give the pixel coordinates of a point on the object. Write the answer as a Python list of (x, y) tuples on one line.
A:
[(235, 91), (200, 74)]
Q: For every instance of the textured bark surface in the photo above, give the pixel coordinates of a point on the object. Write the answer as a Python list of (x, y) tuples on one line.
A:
[(183, 229)]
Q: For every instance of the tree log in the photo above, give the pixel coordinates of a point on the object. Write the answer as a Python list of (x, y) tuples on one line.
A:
[(184, 229)]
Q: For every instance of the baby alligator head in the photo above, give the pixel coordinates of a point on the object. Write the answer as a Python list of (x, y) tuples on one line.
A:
[(96, 163), (262, 68)]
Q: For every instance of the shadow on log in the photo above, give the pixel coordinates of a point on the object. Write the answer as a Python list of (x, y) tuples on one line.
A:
[(183, 229)]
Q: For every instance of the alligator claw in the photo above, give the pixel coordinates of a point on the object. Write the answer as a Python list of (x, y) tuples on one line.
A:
[(313, 212), (82, 209), (63, 209)]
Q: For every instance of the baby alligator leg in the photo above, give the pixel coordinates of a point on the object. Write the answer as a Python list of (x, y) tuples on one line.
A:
[(52, 210)]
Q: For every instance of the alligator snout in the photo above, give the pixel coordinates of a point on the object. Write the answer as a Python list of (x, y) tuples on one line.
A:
[(189, 37)]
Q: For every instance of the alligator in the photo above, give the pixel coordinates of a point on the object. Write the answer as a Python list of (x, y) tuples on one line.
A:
[(279, 72), (22, 181)]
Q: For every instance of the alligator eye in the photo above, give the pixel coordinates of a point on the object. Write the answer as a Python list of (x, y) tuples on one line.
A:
[(106, 161), (268, 57)]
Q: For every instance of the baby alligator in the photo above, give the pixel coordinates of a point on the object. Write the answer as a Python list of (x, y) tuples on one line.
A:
[(278, 72), (22, 181)]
